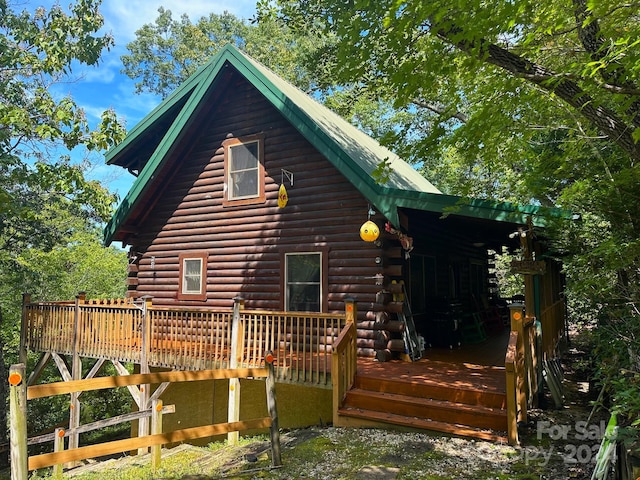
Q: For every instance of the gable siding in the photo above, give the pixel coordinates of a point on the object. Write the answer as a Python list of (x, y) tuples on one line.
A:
[(246, 243)]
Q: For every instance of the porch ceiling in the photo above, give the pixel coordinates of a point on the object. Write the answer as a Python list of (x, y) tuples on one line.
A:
[(471, 231)]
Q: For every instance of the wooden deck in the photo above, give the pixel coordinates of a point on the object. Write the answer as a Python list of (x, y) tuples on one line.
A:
[(461, 391), (470, 366), (458, 392)]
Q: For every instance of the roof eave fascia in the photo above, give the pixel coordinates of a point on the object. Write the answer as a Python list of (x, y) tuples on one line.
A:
[(198, 91), (148, 121), (470, 207)]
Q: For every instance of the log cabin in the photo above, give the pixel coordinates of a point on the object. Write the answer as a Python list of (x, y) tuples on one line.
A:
[(249, 192)]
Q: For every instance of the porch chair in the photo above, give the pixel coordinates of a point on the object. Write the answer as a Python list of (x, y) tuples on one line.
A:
[(490, 314), (473, 329)]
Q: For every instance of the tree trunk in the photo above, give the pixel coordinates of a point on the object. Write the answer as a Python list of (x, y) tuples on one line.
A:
[(606, 120), (4, 392)]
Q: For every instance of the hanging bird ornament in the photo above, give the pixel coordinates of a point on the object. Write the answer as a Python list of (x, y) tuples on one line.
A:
[(369, 231), (283, 197)]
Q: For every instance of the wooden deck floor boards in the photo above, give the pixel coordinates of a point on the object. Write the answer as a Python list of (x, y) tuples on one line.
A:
[(474, 367)]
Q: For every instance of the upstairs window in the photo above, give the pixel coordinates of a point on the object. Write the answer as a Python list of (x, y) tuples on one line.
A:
[(193, 276), (244, 171)]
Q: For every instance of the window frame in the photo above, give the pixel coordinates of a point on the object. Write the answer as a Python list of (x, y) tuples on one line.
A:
[(228, 145), (323, 283), (203, 257)]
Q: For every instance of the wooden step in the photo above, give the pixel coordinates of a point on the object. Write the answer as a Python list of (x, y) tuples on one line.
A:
[(477, 416), (471, 395), (424, 424)]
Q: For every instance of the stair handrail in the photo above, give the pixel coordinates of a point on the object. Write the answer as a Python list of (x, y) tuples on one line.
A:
[(344, 361)]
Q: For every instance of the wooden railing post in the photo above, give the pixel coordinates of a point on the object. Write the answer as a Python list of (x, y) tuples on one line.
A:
[(276, 456), (76, 374), (24, 328), (237, 335), (58, 446), (350, 310), (351, 313), (145, 334), (156, 429), (517, 325), (344, 359), (143, 423), (512, 390), (18, 422)]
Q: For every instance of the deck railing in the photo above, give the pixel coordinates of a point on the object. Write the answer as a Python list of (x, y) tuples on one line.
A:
[(185, 338), (521, 366), (513, 369), (344, 366)]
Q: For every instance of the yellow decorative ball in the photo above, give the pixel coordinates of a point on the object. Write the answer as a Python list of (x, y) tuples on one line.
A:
[(369, 231)]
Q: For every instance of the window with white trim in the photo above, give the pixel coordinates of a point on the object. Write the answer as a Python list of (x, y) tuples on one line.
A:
[(244, 172), (193, 276), (303, 282)]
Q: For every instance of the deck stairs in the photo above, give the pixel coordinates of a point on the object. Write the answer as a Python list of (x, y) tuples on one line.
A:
[(461, 400)]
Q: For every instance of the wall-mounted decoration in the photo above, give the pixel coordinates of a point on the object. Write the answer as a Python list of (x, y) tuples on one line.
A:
[(405, 240), (283, 196), (369, 231)]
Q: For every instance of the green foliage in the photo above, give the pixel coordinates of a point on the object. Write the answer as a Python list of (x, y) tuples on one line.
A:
[(530, 102), (49, 211), (79, 262), (39, 50), (167, 52)]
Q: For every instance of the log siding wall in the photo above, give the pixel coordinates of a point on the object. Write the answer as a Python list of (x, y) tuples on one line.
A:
[(245, 244)]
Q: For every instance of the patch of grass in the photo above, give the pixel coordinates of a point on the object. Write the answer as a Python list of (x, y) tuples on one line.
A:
[(339, 454)]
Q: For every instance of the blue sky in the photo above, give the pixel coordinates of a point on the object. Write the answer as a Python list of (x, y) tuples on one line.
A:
[(99, 88)]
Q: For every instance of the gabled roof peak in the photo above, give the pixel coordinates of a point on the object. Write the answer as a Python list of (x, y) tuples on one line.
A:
[(355, 154)]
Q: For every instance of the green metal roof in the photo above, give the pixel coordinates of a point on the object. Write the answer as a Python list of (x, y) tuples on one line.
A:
[(352, 152)]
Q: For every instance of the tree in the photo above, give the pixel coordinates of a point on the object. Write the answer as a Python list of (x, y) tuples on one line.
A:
[(37, 51), (45, 199), (525, 68), (538, 101), (167, 52)]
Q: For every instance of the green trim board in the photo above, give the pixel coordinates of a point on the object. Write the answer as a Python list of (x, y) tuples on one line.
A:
[(352, 152)]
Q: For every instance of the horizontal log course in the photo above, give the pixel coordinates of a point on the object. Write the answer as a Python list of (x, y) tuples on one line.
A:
[(366, 352), (395, 326), (394, 307), (373, 334), (396, 345), (296, 346), (302, 339), (383, 297), (393, 270), (384, 355), (394, 287), (379, 317), (393, 252), (371, 343), (376, 307)]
